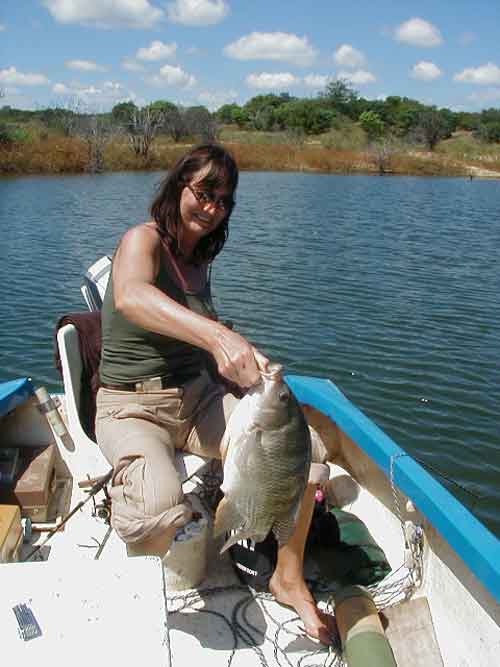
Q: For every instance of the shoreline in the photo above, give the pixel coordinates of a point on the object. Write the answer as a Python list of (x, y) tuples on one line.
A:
[(70, 156)]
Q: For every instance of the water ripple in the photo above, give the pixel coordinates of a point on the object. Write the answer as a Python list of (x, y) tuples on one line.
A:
[(388, 286)]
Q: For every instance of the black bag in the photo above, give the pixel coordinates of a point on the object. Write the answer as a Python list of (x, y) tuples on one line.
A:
[(339, 551)]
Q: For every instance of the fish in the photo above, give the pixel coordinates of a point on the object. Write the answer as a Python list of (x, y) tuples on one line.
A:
[(266, 452)]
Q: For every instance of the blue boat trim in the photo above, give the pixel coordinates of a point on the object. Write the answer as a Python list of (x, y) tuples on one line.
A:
[(13, 393), (470, 539)]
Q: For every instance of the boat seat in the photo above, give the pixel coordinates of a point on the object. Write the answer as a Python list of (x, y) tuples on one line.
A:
[(95, 282), (93, 462)]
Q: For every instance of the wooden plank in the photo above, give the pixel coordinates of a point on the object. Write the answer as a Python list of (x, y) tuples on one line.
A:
[(410, 631)]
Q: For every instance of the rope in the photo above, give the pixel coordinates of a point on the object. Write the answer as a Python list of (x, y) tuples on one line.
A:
[(242, 629)]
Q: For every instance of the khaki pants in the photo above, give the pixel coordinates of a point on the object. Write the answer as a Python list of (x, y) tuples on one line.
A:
[(138, 434)]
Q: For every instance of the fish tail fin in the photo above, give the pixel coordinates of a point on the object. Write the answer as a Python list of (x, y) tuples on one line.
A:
[(237, 536), (227, 517)]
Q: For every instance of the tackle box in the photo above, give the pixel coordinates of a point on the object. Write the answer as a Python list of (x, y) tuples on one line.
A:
[(35, 482)]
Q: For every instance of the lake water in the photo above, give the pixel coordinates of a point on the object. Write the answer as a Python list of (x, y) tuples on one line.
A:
[(390, 286)]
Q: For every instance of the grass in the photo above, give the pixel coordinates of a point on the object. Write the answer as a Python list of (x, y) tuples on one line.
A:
[(342, 150)]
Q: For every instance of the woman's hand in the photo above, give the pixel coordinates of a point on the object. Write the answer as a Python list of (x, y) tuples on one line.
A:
[(237, 360)]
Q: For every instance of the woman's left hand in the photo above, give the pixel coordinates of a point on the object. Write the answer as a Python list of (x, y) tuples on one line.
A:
[(237, 360)]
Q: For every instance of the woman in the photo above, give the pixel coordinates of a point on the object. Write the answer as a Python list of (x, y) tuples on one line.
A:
[(159, 335)]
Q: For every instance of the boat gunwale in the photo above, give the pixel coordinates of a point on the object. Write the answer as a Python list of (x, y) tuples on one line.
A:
[(471, 540)]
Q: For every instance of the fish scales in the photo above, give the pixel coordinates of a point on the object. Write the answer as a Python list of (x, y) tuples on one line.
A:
[(267, 456)]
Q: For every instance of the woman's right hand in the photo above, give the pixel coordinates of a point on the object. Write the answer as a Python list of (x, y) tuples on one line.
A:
[(237, 360)]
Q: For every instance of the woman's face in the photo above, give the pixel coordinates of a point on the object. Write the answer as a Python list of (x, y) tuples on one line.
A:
[(202, 210)]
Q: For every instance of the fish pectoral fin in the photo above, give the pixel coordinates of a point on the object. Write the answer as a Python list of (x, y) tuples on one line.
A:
[(227, 517)]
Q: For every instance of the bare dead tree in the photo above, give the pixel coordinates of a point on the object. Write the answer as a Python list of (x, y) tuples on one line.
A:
[(142, 129), (381, 152), (96, 131)]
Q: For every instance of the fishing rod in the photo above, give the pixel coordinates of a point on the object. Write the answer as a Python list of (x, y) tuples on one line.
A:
[(95, 488)]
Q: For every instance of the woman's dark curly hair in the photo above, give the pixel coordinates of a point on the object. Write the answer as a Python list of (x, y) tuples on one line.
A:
[(165, 208)]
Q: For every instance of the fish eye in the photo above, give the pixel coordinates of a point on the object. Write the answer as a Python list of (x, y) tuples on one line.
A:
[(283, 396)]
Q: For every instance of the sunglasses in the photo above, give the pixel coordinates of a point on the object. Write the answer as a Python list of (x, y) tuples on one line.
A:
[(206, 198)]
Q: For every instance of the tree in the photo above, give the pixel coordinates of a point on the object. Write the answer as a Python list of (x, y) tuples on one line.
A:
[(200, 123), (488, 126), (123, 112), (96, 130), (372, 124), (261, 110), (162, 105), (381, 152), (174, 124), (342, 97), (400, 114), (240, 117), (431, 127), (309, 116), (227, 112), (143, 128), (5, 136)]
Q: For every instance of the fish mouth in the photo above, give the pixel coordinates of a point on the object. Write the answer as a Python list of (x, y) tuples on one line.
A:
[(274, 373)]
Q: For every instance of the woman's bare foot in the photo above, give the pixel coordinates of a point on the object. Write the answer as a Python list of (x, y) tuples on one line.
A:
[(317, 623)]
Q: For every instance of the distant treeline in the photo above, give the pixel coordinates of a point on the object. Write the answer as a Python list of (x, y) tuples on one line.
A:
[(338, 111), (337, 105)]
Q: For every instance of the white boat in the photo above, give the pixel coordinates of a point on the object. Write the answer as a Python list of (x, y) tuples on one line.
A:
[(92, 604)]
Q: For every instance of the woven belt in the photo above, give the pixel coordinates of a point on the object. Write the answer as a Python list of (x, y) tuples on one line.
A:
[(151, 384)]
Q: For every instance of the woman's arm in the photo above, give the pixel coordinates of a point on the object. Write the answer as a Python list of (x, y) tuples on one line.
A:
[(135, 267)]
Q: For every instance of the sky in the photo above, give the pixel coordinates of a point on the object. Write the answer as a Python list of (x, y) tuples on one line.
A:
[(92, 54)]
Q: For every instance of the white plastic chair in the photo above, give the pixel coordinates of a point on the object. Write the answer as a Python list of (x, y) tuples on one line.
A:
[(95, 282), (71, 362)]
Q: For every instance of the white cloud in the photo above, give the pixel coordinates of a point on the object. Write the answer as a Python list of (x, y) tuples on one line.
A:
[(316, 80), (488, 95), (105, 13), (131, 66), (84, 66), (171, 75), (61, 89), (484, 74), (425, 71), (112, 85), (347, 56), (269, 80), (3, 27), (156, 51), (214, 101), (418, 32), (88, 98), (12, 75), (358, 77), (281, 46), (197, 12)]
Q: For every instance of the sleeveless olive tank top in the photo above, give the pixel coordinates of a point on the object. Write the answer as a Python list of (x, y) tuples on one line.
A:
[(131, 353)]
